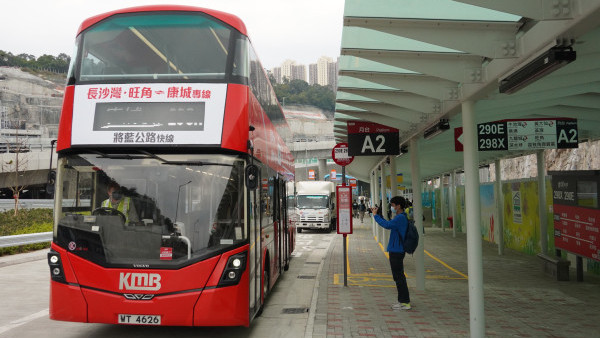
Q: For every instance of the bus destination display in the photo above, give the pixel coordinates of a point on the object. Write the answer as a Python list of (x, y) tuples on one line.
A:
[(149, 116)]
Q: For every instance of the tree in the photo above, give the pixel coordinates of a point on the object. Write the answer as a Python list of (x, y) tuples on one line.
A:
[(300, 92), (16, 168), (58, 64)]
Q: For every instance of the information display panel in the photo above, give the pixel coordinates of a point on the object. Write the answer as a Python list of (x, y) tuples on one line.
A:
[(577, 212), (344, 209)]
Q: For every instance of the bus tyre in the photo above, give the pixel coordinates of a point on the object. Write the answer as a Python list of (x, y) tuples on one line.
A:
[(265, 284), (286, 267)]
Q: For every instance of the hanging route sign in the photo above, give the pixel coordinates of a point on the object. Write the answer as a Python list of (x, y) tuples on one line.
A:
[(340, 156), (369, 139), (527, 134)]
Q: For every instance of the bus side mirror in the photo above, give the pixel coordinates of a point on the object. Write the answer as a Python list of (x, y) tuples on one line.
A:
[(50, 183), (252, 176)]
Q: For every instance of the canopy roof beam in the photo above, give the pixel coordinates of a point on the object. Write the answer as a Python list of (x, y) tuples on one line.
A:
[(494, 39), (457, 67)]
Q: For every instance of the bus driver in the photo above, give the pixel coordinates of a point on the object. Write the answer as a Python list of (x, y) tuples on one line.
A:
[(117, 201)]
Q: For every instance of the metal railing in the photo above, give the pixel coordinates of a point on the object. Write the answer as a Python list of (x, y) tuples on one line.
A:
[(16, 240)]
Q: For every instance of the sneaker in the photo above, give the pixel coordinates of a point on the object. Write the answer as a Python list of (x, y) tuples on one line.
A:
[(401, 306)]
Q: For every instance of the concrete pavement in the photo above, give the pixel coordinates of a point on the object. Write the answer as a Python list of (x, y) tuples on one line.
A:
[(520, 300)]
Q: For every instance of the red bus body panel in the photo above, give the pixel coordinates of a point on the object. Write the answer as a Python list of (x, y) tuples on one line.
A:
[(187, 297), (66, 120), (235, 121)]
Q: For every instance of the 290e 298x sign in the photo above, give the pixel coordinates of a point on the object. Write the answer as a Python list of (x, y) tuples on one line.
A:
[(527, 134)]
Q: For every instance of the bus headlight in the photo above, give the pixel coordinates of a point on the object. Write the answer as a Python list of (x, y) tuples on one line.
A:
[(236, 264), (54, 259), (56, 268)]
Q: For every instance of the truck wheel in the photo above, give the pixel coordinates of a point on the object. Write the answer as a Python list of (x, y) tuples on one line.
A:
[(299, 230)]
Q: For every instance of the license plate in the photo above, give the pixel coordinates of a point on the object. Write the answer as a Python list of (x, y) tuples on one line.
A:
[(139, 319)]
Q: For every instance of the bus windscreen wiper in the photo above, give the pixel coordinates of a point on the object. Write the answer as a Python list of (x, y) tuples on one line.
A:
[(194, 163), (120, 156)]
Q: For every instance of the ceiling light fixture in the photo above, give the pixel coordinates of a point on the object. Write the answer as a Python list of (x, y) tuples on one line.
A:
[(437, 129), (551, 60)]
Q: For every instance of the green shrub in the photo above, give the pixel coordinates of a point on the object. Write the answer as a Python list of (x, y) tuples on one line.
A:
[(27, 221)]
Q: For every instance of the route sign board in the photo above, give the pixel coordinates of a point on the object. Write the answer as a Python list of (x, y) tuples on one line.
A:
[(339, 153), (577, 212), (344, 209), (368, 138), (527, 134)]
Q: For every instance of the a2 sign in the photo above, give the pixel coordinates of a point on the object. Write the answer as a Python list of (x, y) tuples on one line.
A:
[(367, 138)]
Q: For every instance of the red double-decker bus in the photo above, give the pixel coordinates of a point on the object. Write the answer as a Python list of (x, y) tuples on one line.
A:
[(170, 197)]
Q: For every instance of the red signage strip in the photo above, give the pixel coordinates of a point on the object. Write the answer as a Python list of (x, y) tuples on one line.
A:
[(368, 128)]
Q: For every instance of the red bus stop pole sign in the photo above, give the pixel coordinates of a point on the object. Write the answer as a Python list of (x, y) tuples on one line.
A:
[(340, 154), (344, 199), (344, 220)]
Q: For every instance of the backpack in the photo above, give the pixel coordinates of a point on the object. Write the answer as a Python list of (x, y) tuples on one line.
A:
[(410, 240)]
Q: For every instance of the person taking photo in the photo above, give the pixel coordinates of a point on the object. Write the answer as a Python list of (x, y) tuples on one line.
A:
[(398, 225)]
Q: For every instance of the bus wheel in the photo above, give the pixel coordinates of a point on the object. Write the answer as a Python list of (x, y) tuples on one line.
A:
[(265, 283), (286, 267)]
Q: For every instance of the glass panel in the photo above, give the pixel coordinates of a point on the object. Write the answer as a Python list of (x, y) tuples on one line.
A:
[(153, 46), (312, 201), (587, 194), (151, 209)]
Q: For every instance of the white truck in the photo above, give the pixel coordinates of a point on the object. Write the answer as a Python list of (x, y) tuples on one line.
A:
[(315, 205)]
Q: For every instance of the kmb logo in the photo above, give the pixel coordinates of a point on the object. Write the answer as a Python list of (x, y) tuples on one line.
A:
[(139, 281)]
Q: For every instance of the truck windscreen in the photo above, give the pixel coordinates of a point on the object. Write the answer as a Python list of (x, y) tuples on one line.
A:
[(313, 201)]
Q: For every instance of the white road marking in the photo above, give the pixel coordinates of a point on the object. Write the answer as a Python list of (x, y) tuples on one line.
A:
[(24, 320)]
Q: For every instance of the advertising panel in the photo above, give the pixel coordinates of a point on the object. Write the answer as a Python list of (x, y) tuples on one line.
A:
[(148, 114)]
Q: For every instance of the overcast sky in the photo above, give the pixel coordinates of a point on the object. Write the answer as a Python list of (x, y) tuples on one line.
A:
[(279, 29)]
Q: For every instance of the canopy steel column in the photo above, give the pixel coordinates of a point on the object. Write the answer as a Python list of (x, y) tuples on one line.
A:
[(453, 200), (372, 187), (473, 211), (541, 171), (385, 233), (393, 176), (384, 202), (377, 200), (322, 169), (393, 187), (418, 213), (442, 203), (500, 207)]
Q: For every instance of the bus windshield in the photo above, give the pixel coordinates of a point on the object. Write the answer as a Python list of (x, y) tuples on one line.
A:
[(154, 47), (149, 210)]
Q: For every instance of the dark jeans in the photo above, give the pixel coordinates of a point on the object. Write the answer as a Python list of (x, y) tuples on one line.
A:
[(397, 265)]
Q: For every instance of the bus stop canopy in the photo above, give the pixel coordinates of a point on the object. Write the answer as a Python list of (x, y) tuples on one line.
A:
[(409, 64)]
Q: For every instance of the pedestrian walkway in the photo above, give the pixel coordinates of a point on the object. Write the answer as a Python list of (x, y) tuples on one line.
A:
[(520, 300)]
